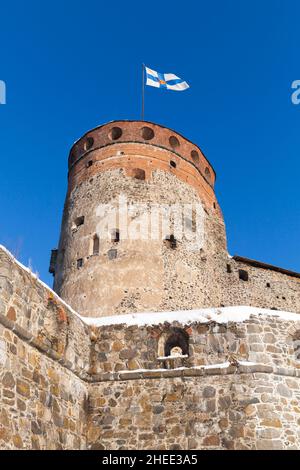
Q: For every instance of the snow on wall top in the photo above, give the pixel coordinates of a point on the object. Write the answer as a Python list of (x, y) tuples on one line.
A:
[(220, 315)]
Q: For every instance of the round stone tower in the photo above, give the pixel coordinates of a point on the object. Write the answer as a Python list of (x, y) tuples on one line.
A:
[(141, 229)]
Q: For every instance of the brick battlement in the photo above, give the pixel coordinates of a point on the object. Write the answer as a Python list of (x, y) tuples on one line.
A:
[(119, 139)]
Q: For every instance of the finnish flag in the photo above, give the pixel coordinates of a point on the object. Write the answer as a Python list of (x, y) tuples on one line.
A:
[(165, 80)]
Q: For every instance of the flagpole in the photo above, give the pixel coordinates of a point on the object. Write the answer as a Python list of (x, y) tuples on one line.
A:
[(143, 91)]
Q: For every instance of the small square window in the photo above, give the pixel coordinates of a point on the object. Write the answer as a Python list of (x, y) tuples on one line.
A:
[(112, 254), (79, 221), (172, 242), (243, 275)]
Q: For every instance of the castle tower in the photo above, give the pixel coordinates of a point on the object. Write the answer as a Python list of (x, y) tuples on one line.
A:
[(137, 168)]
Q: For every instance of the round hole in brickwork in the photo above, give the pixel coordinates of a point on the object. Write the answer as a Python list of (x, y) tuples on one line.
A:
[(195, 156), (207, 173), (89, 142), (147, 133), (115, 133), (174, 142)]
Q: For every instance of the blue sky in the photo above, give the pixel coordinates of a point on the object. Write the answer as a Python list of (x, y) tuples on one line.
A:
[(72, 65)]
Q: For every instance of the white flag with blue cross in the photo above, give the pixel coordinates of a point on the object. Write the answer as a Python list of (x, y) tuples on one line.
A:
[(165, 80)]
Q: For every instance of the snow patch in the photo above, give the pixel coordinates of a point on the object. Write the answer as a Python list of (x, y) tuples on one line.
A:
[(237, 314), (222, 365), (222, 315), (3, 355), (179, 356)]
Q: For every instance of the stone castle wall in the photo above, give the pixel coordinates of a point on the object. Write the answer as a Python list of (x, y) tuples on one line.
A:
[(265, 287), (44, 360), (66, 384), (214, 409), (262, 339), (42, 403), (238, 388)]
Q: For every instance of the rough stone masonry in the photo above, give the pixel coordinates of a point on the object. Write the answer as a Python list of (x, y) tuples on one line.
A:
[(218, 368)]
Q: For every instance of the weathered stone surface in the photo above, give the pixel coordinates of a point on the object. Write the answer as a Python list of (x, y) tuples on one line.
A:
[(72, 399), (17, 440), (284, 391), (8, 380), (127, 354), (211, 441), (271, 422), (23, 388), (209, 392), (11, 314), (158, 409)]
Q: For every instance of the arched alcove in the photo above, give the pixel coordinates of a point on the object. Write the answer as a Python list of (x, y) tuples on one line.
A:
[(174, 342), (296, 345)]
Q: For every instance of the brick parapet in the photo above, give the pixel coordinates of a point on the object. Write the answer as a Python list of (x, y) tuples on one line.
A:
[(132, 132)]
